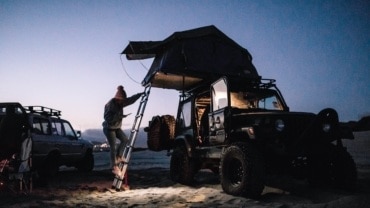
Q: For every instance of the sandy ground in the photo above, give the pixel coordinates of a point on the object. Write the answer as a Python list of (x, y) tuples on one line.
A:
[(152, 187)]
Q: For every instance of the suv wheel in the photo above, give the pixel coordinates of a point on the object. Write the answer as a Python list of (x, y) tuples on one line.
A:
[(51, 165), (242, 170), (87, 164), (182, 168)]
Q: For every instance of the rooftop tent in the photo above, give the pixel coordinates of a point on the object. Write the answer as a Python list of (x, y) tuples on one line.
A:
[(189, 57)]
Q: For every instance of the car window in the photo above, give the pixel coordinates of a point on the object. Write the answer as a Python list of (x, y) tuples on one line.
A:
[(63, 128), (10, 109), (256, 100), (270, 103), (68, 130), (185, 116), (57, 128), (219, 95), (41, 126)]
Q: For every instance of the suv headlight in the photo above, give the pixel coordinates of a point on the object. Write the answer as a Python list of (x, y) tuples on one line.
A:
[(279, 125)]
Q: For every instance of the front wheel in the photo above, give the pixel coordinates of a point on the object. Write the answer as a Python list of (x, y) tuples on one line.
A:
[(87, 163), (336, 168), (343, 171), (182, 168), (242, 170)]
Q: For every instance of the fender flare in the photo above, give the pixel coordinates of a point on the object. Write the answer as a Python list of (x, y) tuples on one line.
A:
[(185, 140), (329, 116)]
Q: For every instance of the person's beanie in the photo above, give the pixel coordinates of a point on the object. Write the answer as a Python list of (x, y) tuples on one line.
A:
[(120, 94)]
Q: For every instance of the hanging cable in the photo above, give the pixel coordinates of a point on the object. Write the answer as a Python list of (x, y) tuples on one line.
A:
[(143, 65), (133, 50), (124, 69)]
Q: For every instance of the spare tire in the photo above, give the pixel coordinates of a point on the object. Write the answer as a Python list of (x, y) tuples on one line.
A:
[(154, 134), (168, 130), (161, 133)]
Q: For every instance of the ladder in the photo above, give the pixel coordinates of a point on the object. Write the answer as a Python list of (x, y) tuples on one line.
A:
[(126, 153)]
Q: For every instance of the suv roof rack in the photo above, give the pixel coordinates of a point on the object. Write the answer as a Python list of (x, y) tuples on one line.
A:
[(43, 110)]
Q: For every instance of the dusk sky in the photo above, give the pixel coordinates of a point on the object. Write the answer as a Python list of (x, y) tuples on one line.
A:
[(66, 54)]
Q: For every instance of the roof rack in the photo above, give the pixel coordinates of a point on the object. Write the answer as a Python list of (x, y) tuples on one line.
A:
[(267, 83), (43, 110)]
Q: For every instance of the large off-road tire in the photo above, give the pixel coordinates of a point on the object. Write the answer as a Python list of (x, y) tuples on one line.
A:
[(182, 168), (335, 167), (343, 171), (154, 134), (87, 164), (242, 170)]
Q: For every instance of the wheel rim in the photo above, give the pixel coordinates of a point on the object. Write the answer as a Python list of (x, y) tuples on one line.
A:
[(235, 172)]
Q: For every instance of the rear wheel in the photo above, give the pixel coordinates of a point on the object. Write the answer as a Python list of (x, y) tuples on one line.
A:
[(242, 171), (51, 165), (182, 168)]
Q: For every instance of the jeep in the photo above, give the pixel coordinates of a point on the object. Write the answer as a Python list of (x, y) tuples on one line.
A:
[(244, 130), (233, 122), (54, 141)]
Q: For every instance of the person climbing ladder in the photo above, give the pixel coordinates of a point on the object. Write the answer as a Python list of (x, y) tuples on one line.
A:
[(113, 116)]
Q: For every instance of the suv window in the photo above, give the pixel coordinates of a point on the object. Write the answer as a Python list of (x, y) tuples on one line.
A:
[(57, 128), (68, 130), (10, 110), (256, 100), (185, 116), (41, 126), (63, 128), (219, 95), (270, 103)]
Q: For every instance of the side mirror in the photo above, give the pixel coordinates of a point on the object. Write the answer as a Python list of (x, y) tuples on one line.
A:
[(78, 133)]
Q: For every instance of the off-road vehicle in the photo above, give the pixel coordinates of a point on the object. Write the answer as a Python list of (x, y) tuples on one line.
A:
[(54, 141), (244, 130), (233, 122)]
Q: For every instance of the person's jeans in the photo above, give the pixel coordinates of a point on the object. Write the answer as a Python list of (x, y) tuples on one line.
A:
[(111, 135)]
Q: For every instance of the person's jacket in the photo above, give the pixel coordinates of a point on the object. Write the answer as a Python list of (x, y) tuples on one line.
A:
[(113, 112)]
